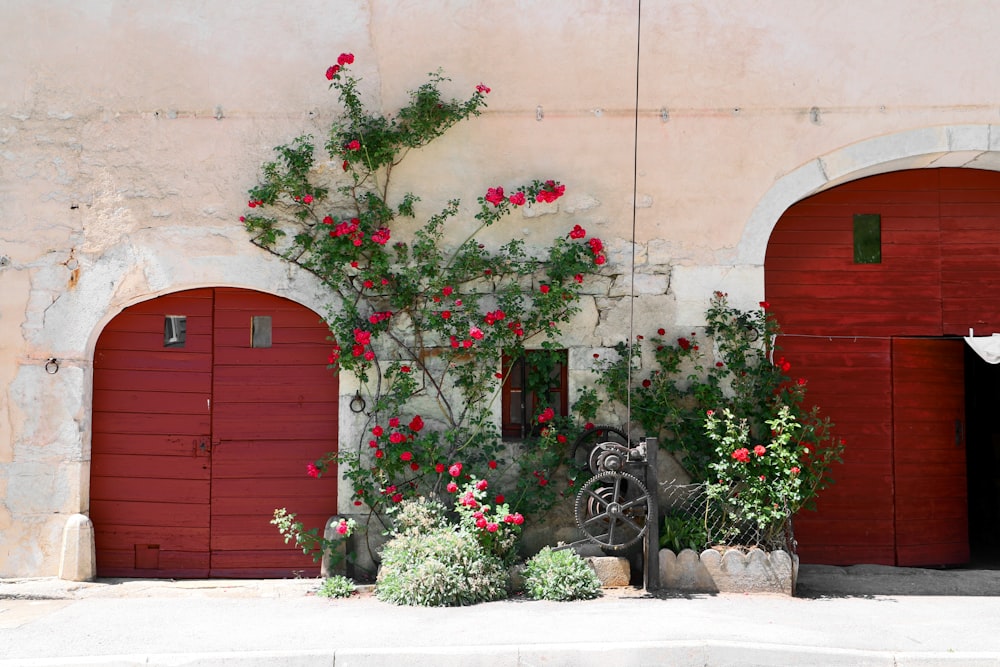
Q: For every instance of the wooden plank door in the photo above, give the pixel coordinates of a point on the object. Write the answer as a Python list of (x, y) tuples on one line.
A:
[(150, 464), (199, 438), (931, 493), (274, 411)]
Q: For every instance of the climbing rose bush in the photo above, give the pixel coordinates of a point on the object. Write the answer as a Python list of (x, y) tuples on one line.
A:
[(425, 310), (761, 484)]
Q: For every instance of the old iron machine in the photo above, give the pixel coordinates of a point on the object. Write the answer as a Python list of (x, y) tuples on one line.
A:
[(617, 507)]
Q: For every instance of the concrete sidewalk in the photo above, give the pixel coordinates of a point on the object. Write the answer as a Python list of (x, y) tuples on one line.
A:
[(137, 622)]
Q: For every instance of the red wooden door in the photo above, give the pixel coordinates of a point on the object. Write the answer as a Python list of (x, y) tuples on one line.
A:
[(931, 503), (274, 410), (207, 406)]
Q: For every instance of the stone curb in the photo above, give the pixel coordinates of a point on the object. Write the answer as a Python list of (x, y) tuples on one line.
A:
[(680, 654)]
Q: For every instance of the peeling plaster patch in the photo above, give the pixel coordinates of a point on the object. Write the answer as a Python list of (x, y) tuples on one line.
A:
[(32, 543), (642, 201), (660, 253), (39, 488), (579, 203), (107, 221), (580, 330), (160, 214), (693, 287), (620, 253), (46, 427), (537, 209), (639, 284)]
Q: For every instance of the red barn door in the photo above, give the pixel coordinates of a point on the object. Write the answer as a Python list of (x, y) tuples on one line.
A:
[(207, 406), (931, 493)]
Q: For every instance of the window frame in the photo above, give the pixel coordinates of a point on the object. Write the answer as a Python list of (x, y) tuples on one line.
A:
[(516, 395)]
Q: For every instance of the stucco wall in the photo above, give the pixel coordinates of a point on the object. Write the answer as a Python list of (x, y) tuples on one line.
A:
[(130, 132)]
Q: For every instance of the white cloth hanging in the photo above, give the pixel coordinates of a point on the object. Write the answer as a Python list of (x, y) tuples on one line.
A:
[(987, 347)]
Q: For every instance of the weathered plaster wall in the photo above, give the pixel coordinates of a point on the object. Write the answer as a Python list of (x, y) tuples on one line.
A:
[(130, 132)]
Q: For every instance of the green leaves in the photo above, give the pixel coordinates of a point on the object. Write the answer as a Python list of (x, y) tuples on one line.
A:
[(424, 312)]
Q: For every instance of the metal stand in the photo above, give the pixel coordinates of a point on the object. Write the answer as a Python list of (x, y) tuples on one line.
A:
[(618, 507)]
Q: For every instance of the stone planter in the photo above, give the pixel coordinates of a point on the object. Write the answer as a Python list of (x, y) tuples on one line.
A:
[(731, 571)]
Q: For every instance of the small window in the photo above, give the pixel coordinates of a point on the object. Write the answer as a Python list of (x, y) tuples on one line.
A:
[(867, 238), (174, 330), (260, 331), (535, 381)]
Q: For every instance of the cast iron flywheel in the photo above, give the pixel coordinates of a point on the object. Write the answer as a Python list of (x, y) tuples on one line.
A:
[(611, 509)]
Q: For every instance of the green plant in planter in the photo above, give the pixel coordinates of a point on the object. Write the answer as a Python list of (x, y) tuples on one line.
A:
[(425, 310), (682, 531), (560, 575), (735, 367), (761, 484)]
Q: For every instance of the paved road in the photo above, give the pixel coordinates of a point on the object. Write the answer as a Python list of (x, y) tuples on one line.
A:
[(280, 623)]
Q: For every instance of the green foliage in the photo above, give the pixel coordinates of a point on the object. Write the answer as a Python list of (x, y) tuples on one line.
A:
[(732, 373), (764, 484), (337, 586), (309, 539), (682, 531), (422, 319), (418, 516), (440, 568), (732, 369), (496, 528), (560, 575)]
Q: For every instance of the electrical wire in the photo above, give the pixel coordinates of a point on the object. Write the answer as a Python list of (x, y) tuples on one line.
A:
[(635, 193)]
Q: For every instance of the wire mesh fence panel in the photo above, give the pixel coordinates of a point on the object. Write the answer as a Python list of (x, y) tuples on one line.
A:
[(695, 519)]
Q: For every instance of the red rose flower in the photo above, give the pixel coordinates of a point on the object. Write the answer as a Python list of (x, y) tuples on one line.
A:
[(416, 423), (406, 456), (312, 470), (377, 431), (544, 289), (684, 343), (760, 450), (345, 59), (482, 485), (578, 232), (482, 88), (517, 199), (492, 465), (331, 72), (455, 469), (439, 468), (452, 487), (494, 195)]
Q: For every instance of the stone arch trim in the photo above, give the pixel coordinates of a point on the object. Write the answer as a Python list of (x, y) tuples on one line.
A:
[(976, 146)]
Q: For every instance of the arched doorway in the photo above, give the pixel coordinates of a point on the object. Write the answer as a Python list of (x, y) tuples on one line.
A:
[(874, 283), (208, 404)]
